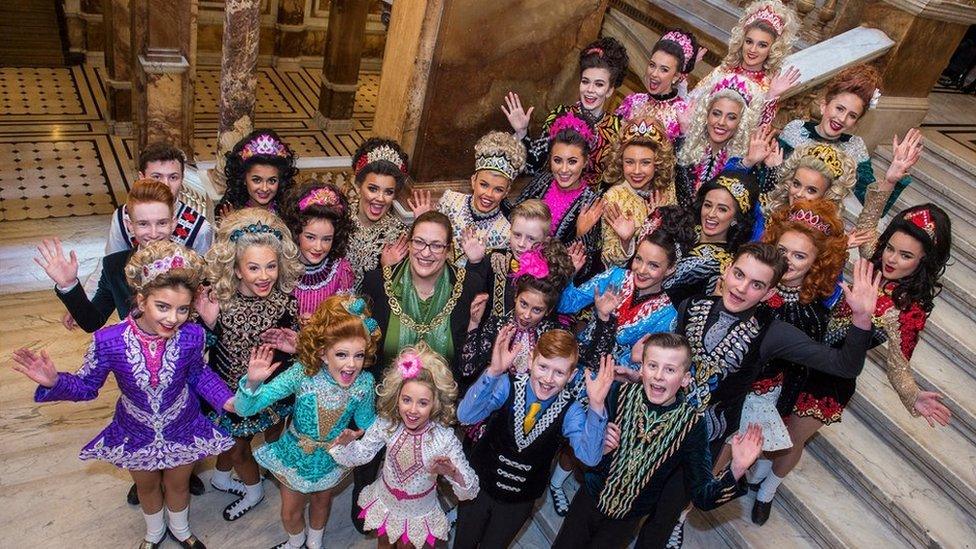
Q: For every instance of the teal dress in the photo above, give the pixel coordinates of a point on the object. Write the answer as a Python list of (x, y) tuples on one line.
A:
[(300, 458)]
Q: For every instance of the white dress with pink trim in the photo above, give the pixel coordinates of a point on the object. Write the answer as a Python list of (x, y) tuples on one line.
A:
[(402, 503)]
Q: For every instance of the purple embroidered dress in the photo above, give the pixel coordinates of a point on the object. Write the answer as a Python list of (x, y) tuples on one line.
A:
[(157, 423)]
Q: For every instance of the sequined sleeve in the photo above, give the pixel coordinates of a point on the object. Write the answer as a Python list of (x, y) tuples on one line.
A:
[(903, 329), (249, 402), (874, 203), (451, 448), (81, 385), (476, 352), (365, 449)]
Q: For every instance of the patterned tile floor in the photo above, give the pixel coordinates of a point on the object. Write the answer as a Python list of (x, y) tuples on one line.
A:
[(57, 158)]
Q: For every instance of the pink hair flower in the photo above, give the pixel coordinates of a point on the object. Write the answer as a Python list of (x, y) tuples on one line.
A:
[(409, 365)]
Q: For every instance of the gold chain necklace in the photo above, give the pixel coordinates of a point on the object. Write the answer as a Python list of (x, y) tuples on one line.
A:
[(421, 329)]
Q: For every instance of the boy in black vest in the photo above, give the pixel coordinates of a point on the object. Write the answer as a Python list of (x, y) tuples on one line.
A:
[(535, 411), (654, 430)]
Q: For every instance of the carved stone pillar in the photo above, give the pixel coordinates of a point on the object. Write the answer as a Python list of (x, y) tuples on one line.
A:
[(449, 63), (164, 47), (290, 27), (118, 57), (340, 68), (238, 80)]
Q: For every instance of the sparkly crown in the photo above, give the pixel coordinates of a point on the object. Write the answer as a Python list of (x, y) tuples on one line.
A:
[(496, 162), (383, 152), (162, 266), (737, 190), (322, 196), (499, 152), (643, 129), (736, 84), (922, 218), (827, 155), (809, 218), (570, 121), (254, 228), (264, 145), (768, 15), (684, 42)]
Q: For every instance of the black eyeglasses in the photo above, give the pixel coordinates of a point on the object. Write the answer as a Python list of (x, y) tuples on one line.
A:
[(418, 245)]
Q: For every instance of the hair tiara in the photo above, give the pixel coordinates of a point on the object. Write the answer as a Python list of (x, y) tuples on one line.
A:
[(642, 129), (162, 266), (264, 145), (684, 42), (382, 152), (922, 218), (828, 155), (738, 191), (569, 121), (254, 228), (499, 152), (322, 196), (767, 15), (807, 217), (735, 83)]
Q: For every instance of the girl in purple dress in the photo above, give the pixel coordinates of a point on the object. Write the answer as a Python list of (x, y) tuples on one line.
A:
[(158, 430)]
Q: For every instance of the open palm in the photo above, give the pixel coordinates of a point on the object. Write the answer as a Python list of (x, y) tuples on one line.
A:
[(38, 367)]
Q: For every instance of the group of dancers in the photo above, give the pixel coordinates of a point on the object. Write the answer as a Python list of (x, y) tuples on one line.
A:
[(661, 310)]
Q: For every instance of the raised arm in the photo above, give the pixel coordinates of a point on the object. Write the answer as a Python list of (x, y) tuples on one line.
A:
[(365, 449), (53, 385)]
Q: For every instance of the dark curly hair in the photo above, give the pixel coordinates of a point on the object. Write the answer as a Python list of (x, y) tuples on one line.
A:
[(606, 53), (922, 285), (297, 218), (236, 168), (561, 272), (381, 167), (569, 136), (672, 48), (675, 230), (741, 229)]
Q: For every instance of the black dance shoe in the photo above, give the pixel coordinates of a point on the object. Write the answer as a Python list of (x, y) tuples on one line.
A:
[(189, 543), (239, 508), (196, 485), (150, 545), (132, 498), (760, 511), (284, 545)]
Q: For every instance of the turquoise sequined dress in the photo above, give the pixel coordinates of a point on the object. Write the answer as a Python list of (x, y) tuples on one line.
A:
[(300, 458)]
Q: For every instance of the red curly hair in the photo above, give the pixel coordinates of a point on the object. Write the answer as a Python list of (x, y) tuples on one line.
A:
[(860, 80), (820, 281), (331, 323)]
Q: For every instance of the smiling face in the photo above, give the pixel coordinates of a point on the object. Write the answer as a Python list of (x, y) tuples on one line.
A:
[(345, 359), (488, 189), (901, 257), (150, 221), (595, 88), (722, 121), (530, 308), (746, 282), (662, 69), (257, 270), (526, 234), (638, 164), (262, 184), (566, 163), (650, 267), (416, 404), (800, 253), (169, 172), (315, 240), (839, 115), (755, 48), (717, 214), (807, 184), (548, 376), (426, 262), (164, 310), (376, 196), (663, 373)]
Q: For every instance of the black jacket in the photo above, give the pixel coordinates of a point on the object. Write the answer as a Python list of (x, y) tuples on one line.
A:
[(113, 294)]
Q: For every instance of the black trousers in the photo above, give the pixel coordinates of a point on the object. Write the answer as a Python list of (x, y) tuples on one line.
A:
[(488, 523), (585, 526), (363, 476)]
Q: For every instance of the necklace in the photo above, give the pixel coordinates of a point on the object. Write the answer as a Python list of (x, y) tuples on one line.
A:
[(395, 308)]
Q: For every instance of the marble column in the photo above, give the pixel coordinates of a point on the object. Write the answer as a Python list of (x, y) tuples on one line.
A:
[(238, 80), (118, 57), (449, 63), (340, 68), (164, 48)]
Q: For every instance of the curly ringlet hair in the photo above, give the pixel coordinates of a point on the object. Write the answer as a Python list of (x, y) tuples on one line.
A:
[(495, 142), (189, 276), (837, 189), (236, 168), (693, 149), (606, 53), (782, 44), (338, 215), (561, 271), (223, 256), (678, 226), (381, 167), (922, 285), (664, 159), (434, 373), (685, 66), (741, 229), (860, 80), (331, 323), (821, 280)]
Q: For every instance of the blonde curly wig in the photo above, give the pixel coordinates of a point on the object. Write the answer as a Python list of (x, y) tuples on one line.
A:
[(143, 277), (497, 143), (780, 48), (222, 258), (695, 145), (837, 189), (434, 373), (664, 159)]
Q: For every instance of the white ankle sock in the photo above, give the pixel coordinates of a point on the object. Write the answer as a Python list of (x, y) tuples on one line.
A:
[(759, 470), (179, 523), (253, 493), (768, 488), (559, 476), (155, 526), (314, 539), (296, 540), (220, 478)]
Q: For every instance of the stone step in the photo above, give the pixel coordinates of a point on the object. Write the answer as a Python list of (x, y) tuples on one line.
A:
[(937, 176), (963, 231), (943, 454), (733, 523), (950, 330), (885, 480)]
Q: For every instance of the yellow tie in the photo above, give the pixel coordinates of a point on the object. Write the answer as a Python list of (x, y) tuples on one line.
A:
[(529, 421)]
